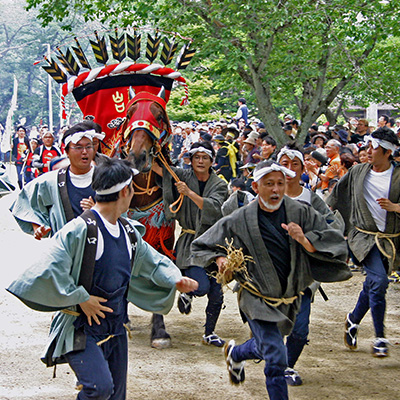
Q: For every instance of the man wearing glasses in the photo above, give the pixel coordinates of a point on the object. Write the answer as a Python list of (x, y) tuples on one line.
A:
[(47, 203), (361, 131)]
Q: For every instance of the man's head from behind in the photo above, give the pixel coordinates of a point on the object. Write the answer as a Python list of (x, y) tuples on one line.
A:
[(110, 177)]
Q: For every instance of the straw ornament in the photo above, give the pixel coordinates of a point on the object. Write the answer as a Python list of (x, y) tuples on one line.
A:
[(235, 263)]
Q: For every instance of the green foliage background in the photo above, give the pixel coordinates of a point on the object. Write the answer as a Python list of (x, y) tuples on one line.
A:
[(309, 58)]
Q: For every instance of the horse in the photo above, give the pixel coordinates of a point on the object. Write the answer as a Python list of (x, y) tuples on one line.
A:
[(143, 138)]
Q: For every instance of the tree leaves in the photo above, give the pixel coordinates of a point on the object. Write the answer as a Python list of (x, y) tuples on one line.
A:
[(276, 49)]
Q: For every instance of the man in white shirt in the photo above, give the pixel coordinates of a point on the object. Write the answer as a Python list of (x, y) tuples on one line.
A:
[(243, 111), (368, 198), (47, 203)]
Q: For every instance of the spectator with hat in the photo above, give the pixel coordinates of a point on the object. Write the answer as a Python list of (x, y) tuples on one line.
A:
[(186, 161), (247, 176), (217, 129), (205, 136), (319, 140), (288, 130), (343, 136), (287, 119), (250, 149)]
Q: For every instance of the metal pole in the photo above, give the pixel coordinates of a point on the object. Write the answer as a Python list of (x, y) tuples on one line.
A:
[(50, 95)]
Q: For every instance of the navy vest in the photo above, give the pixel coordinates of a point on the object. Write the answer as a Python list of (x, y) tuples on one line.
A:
[(111, 276), (76, 194)]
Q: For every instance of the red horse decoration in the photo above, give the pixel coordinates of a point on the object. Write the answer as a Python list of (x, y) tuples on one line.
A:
[(136, 126), (144, 137)]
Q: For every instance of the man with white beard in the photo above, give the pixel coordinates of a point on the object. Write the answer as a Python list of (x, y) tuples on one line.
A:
[(291, 244)]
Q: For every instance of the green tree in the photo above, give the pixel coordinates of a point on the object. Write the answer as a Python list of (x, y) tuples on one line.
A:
[(23, 42), (302, 52), (203, 105)]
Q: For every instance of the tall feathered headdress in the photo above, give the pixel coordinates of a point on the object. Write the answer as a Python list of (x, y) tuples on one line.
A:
[(102, 92)]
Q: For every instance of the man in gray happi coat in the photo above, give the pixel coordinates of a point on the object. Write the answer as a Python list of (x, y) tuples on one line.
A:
[(201, 208), (291, 244), (368, 197)]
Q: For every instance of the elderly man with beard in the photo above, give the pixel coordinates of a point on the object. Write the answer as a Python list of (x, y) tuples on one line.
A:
[(290, 244)]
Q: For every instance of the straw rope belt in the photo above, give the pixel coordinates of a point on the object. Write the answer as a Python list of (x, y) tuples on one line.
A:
[(190, 231), (271, 301), (99, 343), (70, 312), (380, 236)]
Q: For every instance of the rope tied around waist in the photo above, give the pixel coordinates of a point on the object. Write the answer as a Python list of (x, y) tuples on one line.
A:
[(189, 231), (380, 236), (100, 342), (271, 301), (236, 265), (76, 314), (70, 312)]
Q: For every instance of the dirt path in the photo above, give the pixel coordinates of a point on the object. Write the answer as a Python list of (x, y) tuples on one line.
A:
[(190, 370)]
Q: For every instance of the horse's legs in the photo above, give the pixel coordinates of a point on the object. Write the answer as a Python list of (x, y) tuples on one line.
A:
[(160, 339)]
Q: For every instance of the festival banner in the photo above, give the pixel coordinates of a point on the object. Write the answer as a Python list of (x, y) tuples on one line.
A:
[(7, 134)]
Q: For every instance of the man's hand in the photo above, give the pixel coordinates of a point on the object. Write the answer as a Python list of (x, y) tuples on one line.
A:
[(87, 204), (94, 309), (387, 205), (221, 263), (182, 188), (311, 166), (186, 285), (40, 231), (296, 233)]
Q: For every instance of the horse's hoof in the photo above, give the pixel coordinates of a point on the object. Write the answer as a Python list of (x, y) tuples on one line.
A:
[(162, 343)]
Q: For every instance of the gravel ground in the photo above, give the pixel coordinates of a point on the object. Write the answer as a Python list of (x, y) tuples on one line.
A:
[(190, 370)]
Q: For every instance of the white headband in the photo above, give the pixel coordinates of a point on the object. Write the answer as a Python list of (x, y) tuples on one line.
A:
[(379, 142), (76, 137), (114, 189), (274, 167), (291, 154), (201, 150)]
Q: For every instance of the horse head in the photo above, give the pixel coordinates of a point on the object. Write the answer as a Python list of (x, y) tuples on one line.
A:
[(146, 128)]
